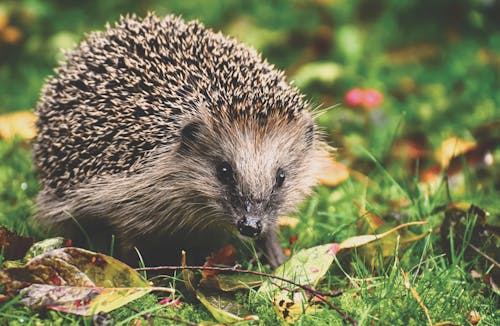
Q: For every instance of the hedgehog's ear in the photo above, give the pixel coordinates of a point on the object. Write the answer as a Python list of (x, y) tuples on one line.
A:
[(190, 134)]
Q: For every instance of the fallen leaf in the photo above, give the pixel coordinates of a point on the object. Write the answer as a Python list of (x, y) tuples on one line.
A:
[(77, 267), (333, 173), (288, 221), (306, 267), (224, 307), (293, 239), (4, 18), (84, 301), (367, 222), (20, 123), (12, 245), (452, 147), (225, 256), (412, 147), (230, 282), (474, 317), (43, 246), (362, 240), (11, 34), (75, 280), (431, 174), (290, 309)]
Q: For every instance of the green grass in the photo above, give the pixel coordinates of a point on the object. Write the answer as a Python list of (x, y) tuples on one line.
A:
[(453, 92), (445, 285)]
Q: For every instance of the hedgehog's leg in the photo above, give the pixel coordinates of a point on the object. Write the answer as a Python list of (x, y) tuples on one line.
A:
[(272, 249)]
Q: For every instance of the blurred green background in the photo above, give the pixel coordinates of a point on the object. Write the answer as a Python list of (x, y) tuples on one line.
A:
[(445, 51)]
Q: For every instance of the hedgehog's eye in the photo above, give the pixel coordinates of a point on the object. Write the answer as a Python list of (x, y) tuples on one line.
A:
[(225, 173), (280, 177)]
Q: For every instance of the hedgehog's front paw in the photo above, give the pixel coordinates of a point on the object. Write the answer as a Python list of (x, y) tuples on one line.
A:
[(272, 249)]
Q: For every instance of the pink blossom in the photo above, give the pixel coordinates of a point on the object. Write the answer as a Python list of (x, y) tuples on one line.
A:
[(372, 98), (354, 97)]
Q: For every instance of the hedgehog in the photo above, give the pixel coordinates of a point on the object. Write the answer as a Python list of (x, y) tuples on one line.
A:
[(170, 136)]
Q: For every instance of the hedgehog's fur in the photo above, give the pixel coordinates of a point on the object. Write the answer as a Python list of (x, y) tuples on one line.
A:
[(134, 123)]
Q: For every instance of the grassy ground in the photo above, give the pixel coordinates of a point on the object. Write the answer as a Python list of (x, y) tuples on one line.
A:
[(437, 67)]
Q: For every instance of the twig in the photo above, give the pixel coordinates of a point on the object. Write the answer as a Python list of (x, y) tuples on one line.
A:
[(318, 294), (493, 261), (148, 317), (344, 314), (234, 269)]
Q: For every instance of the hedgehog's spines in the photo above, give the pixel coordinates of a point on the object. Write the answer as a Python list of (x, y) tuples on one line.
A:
[(128, 90)]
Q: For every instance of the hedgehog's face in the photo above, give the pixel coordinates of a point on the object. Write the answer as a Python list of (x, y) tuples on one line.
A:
[(254, 172)]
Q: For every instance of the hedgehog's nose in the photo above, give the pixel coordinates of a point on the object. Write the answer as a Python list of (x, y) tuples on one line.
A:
[(250, 226)]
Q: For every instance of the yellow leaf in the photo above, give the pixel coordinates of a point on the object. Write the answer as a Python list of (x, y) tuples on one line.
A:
[(83, 301), (291, 309), (11, 34), (223, 308), (21, 124), (306, 267), (452, 147), (333, 173), (4, 19), (361, 240), (288, 221)]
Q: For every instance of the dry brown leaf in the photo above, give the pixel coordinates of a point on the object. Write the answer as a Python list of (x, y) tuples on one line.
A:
[(431, 174), (290, 309), (288, 221), (474, 317), (452, 147), (333, 173), (4, 19), (13, 246), (367, 218), (361, 240), (11, 34), (20, 123), (224, 256)]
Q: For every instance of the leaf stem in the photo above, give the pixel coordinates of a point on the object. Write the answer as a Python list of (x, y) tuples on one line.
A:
[(235, 269)]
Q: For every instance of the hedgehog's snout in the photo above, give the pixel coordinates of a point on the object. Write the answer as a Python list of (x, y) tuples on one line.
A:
[(250, 226)]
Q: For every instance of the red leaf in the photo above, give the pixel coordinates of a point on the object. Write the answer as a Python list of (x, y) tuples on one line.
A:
[(293, 239), (225, 256), (14, 246)]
